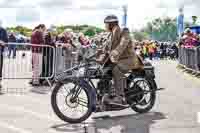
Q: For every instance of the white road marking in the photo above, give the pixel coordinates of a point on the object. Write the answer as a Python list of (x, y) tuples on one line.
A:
[(115, 129), (13, 128), (31, 98), (198, 117)]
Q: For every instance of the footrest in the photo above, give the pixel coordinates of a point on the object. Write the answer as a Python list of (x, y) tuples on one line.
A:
[(159, 89)]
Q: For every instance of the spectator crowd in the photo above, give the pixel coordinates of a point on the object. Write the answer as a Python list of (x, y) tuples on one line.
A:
[(156, 50), (189, 39)]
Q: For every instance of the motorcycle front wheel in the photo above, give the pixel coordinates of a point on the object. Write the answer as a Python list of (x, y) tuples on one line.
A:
[(71, 103)]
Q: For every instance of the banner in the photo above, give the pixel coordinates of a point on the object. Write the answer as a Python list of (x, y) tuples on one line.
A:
[(124, 19), (180, 23)]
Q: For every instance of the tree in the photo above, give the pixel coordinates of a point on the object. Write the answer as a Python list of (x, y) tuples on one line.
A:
[(162, 29), (138, 35), (86, 29), (20, 29), (187, 24), (194, 20), (90, 32), (99, 30)]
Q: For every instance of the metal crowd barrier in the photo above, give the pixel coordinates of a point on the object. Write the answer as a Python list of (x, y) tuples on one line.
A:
[(65, 59), (190, 58), (25, 61)]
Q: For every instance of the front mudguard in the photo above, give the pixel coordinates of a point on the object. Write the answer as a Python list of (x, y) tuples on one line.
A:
[(92, 92)]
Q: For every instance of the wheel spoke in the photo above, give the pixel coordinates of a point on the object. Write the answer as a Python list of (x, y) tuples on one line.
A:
[(66, 90), (83, 100), (147, 85), (70, 89), (77, 92), (83, 103), (60, 97), (144, 85), (64, 109), (63, 93)]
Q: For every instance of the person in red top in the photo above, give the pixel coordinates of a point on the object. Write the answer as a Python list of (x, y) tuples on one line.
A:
[(37, 38)]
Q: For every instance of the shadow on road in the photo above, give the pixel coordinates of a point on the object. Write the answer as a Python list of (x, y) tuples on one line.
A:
[(131, 123), (40, 90), (70, 128)]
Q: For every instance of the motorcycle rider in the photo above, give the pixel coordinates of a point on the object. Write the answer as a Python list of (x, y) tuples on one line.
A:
[(118, 54)]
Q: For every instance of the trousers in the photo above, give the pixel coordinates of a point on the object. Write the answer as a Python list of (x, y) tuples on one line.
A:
[(120, 81), (37, 66), (1, 65), (118, 74)]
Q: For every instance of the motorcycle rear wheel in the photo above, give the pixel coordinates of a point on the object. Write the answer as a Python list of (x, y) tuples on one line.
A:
[(149, 105)]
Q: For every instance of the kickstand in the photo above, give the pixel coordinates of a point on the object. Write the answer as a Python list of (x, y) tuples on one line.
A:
[(85, 128), (89, 128)]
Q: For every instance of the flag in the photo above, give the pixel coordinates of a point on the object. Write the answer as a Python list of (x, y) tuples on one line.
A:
[(180, 24)]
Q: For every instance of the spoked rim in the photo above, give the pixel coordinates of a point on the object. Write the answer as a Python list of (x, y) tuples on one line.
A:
[(145, 99), (72, 101)]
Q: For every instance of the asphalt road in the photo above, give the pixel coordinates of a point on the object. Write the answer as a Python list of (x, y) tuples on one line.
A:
[(176, 109)]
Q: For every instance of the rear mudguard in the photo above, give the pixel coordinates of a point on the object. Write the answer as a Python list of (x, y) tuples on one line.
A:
[(150, 80), (84, 84)]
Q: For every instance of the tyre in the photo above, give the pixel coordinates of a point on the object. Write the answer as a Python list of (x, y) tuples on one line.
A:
[(142, 105), (68, 94)]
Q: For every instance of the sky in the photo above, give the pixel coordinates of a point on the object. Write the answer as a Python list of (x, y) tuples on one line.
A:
[(92, 12)]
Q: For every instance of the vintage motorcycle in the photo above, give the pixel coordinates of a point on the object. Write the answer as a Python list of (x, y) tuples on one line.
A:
[(80, 97)]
